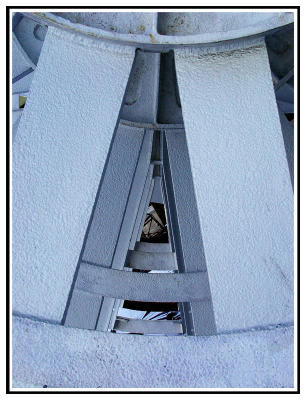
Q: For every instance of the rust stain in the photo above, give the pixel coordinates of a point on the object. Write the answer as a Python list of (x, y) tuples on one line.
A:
[(153, 40)]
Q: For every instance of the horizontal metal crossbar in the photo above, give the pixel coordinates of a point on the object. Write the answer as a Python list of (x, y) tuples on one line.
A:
[(149, 327), (153, 247), (151, 261), (119, 284)]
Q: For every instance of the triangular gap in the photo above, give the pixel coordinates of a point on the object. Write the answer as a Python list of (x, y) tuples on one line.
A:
[(155, 230), (155, 226)]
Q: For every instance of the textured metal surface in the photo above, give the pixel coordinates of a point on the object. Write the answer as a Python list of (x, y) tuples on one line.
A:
[(168, 29), (182, 287), (59, 153), (242, 185), (45, 353)]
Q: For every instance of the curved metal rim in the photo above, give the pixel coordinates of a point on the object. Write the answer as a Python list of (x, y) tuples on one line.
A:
[(154, 39)]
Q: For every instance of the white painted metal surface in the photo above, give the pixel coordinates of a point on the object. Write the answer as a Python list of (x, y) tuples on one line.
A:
[(80, 358), (242, 184), (59, 153), (167, 28)]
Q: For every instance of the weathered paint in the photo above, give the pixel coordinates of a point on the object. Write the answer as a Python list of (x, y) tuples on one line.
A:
[(170, 29), (242, 185), (52, 355), (58, 157)]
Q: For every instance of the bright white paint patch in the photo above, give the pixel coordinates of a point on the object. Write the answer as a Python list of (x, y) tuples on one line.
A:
[(59, 357), (242, 184), (58, 158)]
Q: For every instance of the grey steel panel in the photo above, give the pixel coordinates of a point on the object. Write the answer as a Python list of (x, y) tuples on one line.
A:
[(140, 102), (27, 34), (149, 327), (144, 210), (109, 307), (107, 314), (138, 286), (151, 261), (185, 202), (134, 200), (169, 107), (157, 195), (143, 206), (110, 208), (185, 222), (285, 107), (83, 310), (153, 247), (184, 308), (155, 159), (285, 93)]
